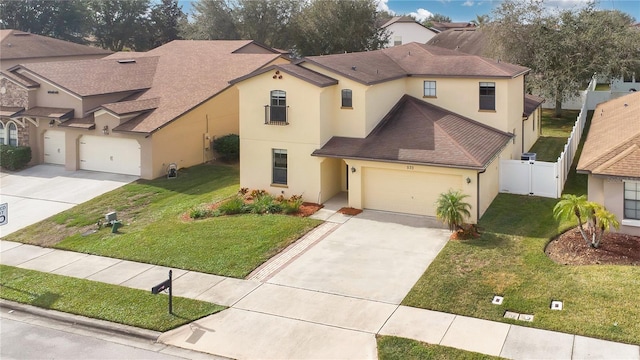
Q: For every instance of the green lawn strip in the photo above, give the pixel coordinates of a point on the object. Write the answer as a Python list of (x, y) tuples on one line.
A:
[(228, 245), (97, 300), (554, 135), (391, 348), (156, 231)]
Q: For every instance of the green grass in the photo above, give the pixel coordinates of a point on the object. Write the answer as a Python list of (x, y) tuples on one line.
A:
[(391, 348), (100, 301), (157, 231), (603, 87), (554, 135), (509, 260)]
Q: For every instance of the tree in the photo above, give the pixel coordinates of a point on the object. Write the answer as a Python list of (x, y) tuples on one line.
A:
[(452, 210), (331, 27), (563, 48), (212, 20), (597, 219), (65, 20), (121, 23), (164, 21), (268, 21), (428, 22), (481, 20)]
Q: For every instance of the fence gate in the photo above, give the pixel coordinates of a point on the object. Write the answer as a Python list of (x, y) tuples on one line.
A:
[(525, 177)]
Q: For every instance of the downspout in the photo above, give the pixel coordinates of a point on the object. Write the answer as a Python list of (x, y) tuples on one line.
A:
[(522, 134), (478, 194)]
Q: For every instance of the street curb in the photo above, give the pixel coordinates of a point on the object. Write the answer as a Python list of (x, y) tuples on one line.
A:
[(83, 321)]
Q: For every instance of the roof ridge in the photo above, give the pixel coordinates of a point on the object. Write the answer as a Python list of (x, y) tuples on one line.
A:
[(456, 144), (621, 155)]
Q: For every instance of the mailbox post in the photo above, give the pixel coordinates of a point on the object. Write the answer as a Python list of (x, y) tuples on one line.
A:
[(164, 286)]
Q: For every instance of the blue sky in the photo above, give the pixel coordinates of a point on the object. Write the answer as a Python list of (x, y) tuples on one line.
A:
[(466, 10)]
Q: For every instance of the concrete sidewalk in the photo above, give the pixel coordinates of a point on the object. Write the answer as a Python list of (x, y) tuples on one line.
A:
[(268, 320)]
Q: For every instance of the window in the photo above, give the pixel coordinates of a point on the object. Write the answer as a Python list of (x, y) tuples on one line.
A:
[(397, 40), (9, 134), (487, 96), (632, 200), (278, 109), (280, 166), (1, 133), (430, 89), (347, 98)]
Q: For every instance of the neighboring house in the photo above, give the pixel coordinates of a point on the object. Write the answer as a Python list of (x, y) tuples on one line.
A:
[(404, 29), (132, 113), (468, 40), (444, 26), (611, 158), (19, 47), (394, 127)]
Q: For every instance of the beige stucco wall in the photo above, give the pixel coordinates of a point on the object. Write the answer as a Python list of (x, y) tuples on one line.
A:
[(410, 32), (490, 181), (610, 193), (380, 99), (531, 129)]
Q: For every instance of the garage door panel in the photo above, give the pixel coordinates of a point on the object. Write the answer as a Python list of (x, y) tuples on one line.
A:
[(54, 147), (110, 154), (409, 192)]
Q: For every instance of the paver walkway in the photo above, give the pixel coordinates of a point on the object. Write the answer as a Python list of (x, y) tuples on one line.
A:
[(276, 321)]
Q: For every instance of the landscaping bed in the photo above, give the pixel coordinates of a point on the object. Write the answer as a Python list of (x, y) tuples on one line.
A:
[(615, 249)]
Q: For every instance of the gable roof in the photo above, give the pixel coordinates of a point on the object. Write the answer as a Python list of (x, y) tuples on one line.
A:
[(531, 103), (413, 59), (304, 74), (399, 19), (167, 81), (16, 44), (443, 26), (468, 40), (417, 132), (612, 147)]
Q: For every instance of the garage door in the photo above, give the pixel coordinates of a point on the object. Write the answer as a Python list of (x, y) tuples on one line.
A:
[(54, 147), (110, 154), (408, 192)]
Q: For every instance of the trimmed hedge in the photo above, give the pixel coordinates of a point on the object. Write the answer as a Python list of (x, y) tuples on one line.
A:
[(14, 157), (228, 147)]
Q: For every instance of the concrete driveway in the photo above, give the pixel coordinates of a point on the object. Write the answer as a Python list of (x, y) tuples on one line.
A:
[(327, 302), (41, 191)]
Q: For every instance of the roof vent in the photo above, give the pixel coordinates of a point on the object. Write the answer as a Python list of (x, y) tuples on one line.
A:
[(126, 61), (625, 104), (353, 68)]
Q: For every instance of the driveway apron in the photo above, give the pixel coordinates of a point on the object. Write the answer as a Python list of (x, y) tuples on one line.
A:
[(41, 191), (327, 302)]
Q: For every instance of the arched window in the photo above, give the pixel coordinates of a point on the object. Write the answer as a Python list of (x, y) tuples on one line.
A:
[(2, 133), (13, 134)]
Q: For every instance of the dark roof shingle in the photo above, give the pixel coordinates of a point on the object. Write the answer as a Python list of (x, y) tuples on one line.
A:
[(16, 44)]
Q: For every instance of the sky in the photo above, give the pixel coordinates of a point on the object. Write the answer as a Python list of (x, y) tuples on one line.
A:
[(466, 10)]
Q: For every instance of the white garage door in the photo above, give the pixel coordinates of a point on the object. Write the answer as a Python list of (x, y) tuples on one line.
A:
[(54, 147), (408, 192), (110, 154)]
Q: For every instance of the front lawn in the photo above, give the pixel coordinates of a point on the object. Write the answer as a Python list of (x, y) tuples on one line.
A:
[(158, 229), (100, 301), (391, 348)]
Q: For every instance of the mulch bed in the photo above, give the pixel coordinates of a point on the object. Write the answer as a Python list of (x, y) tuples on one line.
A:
[(308, 209), (350, 211), (615, 249)]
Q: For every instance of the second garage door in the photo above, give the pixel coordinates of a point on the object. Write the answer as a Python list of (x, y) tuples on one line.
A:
[(110, 154), (54, 147), (408, 192)]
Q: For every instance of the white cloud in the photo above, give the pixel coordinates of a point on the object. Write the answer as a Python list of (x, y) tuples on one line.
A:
[(421, 14), (468, 3), (384, 6)]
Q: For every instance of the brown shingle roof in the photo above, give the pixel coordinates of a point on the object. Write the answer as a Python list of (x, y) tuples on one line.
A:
[(443, 26), (413, 59), (401, 19), (612, 147), (9, 111), (49, 112), (20, 79), (98, 76), (131, 106), (16, 44), (420, 133), (531, 103), (471, 41), (307, 75)]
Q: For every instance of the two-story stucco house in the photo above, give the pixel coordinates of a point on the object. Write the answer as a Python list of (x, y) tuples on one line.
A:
[(405, 29), (134, 113), (394, 127)]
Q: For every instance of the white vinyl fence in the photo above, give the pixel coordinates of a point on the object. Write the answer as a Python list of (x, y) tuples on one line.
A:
[(540, 178)]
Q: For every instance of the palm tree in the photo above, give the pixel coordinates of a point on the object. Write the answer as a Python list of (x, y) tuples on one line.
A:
[(605, 220), (451, 210), (571, 205)]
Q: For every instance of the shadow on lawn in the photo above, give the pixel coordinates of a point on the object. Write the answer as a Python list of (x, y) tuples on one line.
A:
[(520, 215), (197, 180)]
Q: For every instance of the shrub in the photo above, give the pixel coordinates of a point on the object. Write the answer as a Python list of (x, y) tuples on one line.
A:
[(292, 205), (228, 147), (199, 213), (235, 205), (14, 157), (265, 204)]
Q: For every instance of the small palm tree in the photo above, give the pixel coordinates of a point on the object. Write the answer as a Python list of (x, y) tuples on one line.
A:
[(596, 217), (451, 210), (603, 221), (571, 205)]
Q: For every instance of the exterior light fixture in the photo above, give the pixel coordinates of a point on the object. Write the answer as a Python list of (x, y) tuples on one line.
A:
[(52, 122), (353, 169), (468, 180), (105, 130)]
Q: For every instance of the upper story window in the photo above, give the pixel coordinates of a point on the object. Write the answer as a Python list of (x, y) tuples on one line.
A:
[(430, 89), (347, 98), (397, 40), (276, 111), (487, 96), (632, 200)]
